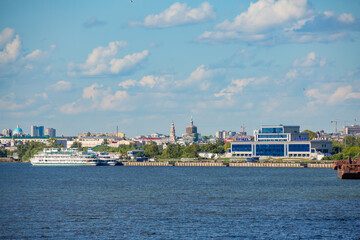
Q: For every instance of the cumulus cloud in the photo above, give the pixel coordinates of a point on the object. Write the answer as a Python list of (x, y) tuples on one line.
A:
[(179, 14), (265, 14), (102, 61), (12, 58), (268, 22), (6, 35), (11, 51), (311, 60), (201, 76), (237, 86), (61, 86), (11, 103), (127, 84), (97, 97), (147, 81), (340, 95)]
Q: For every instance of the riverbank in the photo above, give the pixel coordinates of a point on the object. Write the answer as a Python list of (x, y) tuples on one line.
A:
[(6, 159), (221, 164)]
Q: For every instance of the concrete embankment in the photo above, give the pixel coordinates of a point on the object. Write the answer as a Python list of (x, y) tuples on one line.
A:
[(200, 164), (147, 164), (319, 165), (220, 164), (279, 165)]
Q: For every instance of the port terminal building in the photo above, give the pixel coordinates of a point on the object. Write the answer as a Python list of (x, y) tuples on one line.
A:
[(274, 141)]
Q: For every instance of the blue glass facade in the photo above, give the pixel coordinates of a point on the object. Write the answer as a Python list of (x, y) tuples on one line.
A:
[(272, 136), (276, 150), (299, 147), (272, 130), (241, 148)]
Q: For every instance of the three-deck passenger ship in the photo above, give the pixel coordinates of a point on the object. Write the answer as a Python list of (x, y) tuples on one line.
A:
[(64, 157)]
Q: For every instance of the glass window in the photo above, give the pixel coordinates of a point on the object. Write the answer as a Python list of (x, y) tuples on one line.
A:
[(241, 147), (299, 147), (276, 150), (272, 130)]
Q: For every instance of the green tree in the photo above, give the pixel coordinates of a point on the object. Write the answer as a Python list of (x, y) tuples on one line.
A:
[(312, 134), (53, 143), (105, 142), (88, 134), (3, 152), (28, 150), (151, 150), (76, 144)]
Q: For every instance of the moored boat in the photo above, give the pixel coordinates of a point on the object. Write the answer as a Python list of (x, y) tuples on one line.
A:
[(349, 169), (64, 157)]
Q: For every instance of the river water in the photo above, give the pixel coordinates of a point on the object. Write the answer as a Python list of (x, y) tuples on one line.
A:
[(176, 203)]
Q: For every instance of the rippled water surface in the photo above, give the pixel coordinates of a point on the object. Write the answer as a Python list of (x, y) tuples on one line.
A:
[(176, 203)]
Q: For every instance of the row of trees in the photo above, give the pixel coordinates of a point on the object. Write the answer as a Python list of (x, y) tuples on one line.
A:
[(350, 146)]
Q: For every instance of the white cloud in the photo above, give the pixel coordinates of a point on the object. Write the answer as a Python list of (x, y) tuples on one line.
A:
[(265, 14), (9, 102), (201, 75), (128, 83), (128, 62), (11, 51), (43, 95), (292, 73), (6, 35), (179, 14), (98, 98), (102, 61), (340, 95), (38, 55), (237, 86), (346, 18), (61, 86), (268, 22), (311, 60)]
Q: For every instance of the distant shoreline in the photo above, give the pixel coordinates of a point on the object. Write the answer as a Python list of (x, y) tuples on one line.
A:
[(8, 159)]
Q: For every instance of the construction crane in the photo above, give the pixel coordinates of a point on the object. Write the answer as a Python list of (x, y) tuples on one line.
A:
[(341, 121), (243, 131)]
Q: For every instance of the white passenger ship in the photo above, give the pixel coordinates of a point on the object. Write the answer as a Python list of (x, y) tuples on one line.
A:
[(64, 157)]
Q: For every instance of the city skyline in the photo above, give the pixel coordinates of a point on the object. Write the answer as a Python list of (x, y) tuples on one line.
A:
[(91, 66)]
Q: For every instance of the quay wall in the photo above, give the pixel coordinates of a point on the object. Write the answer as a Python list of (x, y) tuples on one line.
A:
[(279, 165), (219, 164), (147, 164), (319, 165), (199, 164)]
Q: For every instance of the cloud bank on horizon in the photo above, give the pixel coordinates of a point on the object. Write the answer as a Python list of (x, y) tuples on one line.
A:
[(145, 64)]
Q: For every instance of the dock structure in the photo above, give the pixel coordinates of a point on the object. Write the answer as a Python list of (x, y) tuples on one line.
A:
[(147, 164), (221, 164), (199, 164), (272, 165), (319, 165)]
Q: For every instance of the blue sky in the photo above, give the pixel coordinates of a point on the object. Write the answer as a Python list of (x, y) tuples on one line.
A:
[(80, 66)]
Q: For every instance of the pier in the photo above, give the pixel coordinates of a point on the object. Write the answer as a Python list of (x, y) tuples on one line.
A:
[(222, 164)]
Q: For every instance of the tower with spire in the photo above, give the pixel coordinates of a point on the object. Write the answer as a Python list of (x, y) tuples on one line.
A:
[(172, 133), (191, 131)]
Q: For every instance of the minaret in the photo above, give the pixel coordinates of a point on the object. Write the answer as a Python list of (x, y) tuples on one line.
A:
[(191, 122), (172, 133)]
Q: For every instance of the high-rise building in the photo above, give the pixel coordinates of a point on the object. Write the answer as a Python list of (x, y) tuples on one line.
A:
[(7, 132), (41, 131), (172, 133), (51, 132), (34, 131)]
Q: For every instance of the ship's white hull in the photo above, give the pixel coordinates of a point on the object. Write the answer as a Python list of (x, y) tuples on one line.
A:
[(64, 157)]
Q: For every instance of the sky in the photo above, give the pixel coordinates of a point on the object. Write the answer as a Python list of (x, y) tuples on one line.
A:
[(90, 66)]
